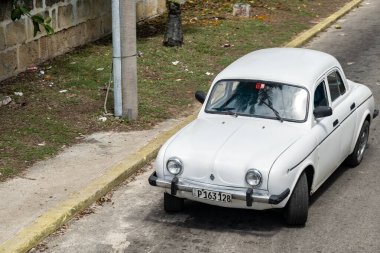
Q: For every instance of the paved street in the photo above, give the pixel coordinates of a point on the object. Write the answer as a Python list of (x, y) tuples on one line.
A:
[(344, 214)]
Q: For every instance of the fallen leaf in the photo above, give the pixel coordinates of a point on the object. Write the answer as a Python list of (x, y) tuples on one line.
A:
[(32, 69), (102, 119), (193, 20), (5, 100)]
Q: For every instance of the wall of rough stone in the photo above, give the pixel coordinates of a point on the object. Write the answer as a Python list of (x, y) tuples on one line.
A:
[(76, 22)]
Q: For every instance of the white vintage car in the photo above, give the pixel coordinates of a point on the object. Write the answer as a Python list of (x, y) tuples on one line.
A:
[(274, 126)]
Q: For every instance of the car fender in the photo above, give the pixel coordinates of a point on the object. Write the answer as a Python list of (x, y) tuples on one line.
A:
[(290, 164), (363, 96), (362, 114), (292, 177), (159, 164)]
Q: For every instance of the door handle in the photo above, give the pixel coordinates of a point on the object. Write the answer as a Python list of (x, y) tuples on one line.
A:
[(352, 106), (335, 123)]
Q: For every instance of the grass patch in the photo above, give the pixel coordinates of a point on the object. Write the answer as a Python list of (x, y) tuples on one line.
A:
[(7, 172), (67, 100)]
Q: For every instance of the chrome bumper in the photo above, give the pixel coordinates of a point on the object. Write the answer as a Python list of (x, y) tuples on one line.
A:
[(246, 196)]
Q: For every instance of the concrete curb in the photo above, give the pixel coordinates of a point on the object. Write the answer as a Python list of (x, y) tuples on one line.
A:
[(307, 35), (50, 221)]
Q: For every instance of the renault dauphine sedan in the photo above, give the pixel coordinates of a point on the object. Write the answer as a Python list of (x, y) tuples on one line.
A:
[(273, 127)]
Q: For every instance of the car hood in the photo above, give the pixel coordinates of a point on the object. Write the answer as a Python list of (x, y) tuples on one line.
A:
[(227, 147)]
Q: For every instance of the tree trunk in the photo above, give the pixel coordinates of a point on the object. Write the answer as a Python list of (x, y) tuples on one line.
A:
[(173, 34)]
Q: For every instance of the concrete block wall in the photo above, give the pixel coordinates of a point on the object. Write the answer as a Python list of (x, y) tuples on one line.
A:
[(149, 8), (76, 22)]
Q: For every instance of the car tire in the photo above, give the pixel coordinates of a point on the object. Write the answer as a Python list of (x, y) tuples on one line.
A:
[(172, 203), (297, 208), (355, 158)]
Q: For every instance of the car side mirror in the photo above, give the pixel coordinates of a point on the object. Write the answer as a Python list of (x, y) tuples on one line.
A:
[(322, 111), (200, 96)]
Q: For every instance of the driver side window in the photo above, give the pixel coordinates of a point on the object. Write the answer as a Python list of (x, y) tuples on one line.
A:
[(320, 95)]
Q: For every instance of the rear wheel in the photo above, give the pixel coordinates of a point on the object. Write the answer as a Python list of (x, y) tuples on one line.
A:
[(296, 210), (355, 158), (172, 203)]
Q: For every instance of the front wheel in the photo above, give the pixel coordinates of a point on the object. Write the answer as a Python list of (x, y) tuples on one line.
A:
[(355, 158), (297, 208)]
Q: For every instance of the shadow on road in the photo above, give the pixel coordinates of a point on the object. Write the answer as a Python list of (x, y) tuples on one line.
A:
[(264, 223), (328, 183), (219, 219)]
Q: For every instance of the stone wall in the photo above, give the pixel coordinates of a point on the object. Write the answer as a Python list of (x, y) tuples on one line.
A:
[(75, 22)]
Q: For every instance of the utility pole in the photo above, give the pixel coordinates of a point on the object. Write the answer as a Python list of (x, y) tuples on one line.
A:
[(128, 58), (116, 58)]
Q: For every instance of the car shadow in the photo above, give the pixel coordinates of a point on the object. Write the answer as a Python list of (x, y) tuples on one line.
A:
[(196, 215), (328, 183), (263, 223)]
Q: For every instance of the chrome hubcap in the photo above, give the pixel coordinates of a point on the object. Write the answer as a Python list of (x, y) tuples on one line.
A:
[(362, 144)]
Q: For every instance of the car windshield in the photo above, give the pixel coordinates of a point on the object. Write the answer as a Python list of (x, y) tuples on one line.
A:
[(259, 99)]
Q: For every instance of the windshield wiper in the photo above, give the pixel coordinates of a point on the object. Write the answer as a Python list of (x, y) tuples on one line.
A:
[(226, 110), (274, 110)]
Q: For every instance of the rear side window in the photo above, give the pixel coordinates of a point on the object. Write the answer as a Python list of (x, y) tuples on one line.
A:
[(336, 85)]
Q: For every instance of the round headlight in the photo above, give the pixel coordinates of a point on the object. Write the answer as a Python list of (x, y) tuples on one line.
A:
[(253, 178), (174, 166)]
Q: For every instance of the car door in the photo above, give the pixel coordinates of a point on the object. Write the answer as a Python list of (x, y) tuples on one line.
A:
[(344, 109), (327, 135)]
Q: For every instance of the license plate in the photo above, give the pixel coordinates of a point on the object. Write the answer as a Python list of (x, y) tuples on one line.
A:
[(211, 195)]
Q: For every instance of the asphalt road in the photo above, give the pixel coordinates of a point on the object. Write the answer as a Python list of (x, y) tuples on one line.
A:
[(344, 214)]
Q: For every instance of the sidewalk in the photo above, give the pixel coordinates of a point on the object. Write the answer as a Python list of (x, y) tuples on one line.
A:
[(49, 182)]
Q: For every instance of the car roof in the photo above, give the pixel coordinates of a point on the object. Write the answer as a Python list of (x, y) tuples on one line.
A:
[(295, 66)]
